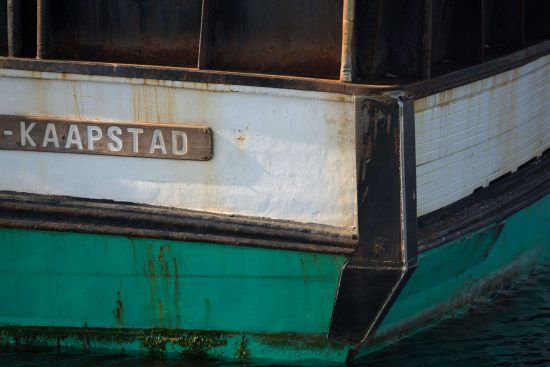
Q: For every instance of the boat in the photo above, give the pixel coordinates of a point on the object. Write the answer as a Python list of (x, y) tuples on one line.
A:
[(289, 181)]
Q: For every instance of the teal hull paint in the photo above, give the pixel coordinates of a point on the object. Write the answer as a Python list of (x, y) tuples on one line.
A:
[(232, 302), (449, 276), (55, 279)]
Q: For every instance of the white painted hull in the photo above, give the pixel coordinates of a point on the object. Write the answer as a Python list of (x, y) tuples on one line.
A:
[(278, 153)]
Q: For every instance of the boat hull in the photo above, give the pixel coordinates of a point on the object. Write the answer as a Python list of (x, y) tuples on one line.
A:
[(296, 241), (100, 291), (455, 273)]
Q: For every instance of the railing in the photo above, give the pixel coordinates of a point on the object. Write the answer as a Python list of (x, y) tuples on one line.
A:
[(349, 40)]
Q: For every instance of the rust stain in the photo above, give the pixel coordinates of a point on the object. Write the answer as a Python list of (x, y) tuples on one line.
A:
[(151, 274), (119, 309), (241, 137), (134, 254), (169, 100), (76, 94), (150, 263), (156, 105), (163, 263), (177, 292)]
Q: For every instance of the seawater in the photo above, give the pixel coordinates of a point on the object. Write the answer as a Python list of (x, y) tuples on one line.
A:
[(509, 327)]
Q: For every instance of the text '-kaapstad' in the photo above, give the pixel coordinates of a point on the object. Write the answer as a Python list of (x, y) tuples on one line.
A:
[(167, 141)]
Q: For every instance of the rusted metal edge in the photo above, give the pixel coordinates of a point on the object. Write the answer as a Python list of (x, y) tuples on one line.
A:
[(56, 213), (477, 72), (418, 89), (488, 205), (191, 75), (374, 275)]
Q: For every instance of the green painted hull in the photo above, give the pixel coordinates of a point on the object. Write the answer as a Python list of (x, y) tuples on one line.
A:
[(99, 283), (450, 275), (113, 292)]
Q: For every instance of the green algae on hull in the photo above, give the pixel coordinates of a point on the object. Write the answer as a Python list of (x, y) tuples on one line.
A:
[(157, 341)]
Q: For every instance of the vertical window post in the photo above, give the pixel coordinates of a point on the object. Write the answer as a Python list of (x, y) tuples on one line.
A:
[(204, 37), (14, 28), (348, 54), (426, 62), (40, 28)]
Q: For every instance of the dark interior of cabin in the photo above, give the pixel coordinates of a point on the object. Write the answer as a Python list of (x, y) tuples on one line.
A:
[(393, 40)]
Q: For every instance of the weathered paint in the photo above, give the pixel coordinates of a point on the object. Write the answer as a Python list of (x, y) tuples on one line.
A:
[(152, 292), (278, 153), (68, 279), (86, 291), (468, 136), (449, 276), (275, 347)]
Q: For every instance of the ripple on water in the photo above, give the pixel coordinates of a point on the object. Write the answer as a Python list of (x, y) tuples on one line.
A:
[(510, 327)]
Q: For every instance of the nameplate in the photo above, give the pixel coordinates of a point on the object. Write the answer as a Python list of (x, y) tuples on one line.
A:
[(166, 141)]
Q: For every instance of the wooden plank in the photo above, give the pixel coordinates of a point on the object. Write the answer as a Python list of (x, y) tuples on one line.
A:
[(165, 141)]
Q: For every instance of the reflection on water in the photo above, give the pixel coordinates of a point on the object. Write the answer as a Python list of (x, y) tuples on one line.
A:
[(509, 328)]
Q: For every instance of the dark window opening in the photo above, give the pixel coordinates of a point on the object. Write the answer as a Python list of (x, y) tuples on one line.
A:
[(277, 37), (389, 39), (3, 28), (456, 35), (537, 20), (503, 27), (394, 41), (156, 32), (28, 28)]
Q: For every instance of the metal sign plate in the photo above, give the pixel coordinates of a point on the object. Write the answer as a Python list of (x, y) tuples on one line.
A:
[(166, 141)]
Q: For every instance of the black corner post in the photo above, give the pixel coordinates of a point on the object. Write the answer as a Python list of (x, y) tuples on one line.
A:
[(386, 199)]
